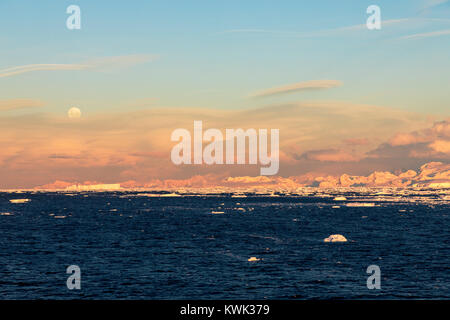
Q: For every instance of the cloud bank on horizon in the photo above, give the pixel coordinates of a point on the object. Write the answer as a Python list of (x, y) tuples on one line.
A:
[(112, 147), (430, 175)]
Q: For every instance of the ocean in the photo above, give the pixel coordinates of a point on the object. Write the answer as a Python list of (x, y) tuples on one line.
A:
[(130, 245)]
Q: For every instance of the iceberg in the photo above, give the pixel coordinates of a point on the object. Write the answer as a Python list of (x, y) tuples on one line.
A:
[(335, 238)]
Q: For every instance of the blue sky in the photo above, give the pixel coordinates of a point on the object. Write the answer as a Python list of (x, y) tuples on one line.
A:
[(214, 54)]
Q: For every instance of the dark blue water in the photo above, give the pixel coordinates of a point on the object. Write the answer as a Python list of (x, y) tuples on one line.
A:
[(174, 248)]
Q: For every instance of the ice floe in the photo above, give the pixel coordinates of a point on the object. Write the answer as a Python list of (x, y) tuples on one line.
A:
[(19, 200), (335, 238), (360, 204)]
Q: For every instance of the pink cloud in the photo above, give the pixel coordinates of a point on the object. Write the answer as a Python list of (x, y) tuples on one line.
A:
[(356, 141), (431, 143), (135, 146), (330, 155)]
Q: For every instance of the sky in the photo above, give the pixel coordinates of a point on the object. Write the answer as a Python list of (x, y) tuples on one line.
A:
[(345, 98)]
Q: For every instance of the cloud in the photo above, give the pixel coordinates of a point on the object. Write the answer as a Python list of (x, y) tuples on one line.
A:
[(428, 34), (63, 156), (403, 139), (248, 31), (100, 64), (15, 104), (329, 155), (39, 67), (364, 26), (430, 144), (300, 86), (318, 33), (441, 146), (135, 145), (356, 141), (434, 3), (387, 25)]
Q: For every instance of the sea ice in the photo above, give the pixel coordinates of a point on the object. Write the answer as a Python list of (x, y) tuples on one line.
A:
[(335, 238), (252, 259), (19, 200)]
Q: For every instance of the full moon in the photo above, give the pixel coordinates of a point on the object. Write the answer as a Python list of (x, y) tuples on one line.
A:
[(74, 112)]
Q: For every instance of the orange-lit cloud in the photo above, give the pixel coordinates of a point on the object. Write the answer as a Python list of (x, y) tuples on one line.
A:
[(441, 146), (432, 143), (332, 155), (300, 86), (356, 141), (135, 146), (14, 104)]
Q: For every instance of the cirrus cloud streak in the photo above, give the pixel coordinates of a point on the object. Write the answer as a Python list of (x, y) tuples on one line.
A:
[(94, 64), (299, 86)]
